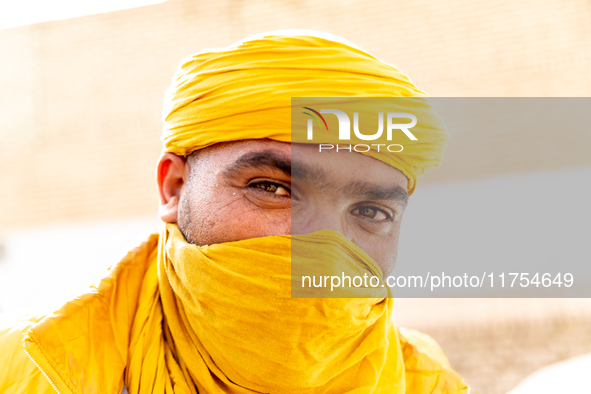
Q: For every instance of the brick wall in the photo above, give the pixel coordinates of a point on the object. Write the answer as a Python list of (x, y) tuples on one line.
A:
[(80, 99)]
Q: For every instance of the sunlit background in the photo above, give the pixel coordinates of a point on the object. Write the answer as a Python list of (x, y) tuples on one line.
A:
[(81, 89), (27, 12)]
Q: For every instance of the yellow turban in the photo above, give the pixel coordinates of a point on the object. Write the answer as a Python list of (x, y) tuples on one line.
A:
[(244, 91)]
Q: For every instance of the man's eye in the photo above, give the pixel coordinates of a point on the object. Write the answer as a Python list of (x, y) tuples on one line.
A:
[(371, 213), (274, 188)]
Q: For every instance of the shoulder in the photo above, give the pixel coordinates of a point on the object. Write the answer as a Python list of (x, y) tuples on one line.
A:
[(18, 374), (115, 296), (426, 366)]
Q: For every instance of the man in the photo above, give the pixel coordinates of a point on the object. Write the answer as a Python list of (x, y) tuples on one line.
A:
[(204, 305)]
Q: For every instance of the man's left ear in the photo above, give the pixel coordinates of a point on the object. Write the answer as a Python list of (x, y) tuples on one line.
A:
[(171, 179)]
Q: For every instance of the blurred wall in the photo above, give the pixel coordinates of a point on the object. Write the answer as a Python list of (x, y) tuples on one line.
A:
[(80, 99)]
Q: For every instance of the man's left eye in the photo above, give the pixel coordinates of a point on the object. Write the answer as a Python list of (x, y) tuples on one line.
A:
[(274, 188), (371, 213)]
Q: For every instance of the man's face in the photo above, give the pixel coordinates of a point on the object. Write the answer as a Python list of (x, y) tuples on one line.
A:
[(257, 188)]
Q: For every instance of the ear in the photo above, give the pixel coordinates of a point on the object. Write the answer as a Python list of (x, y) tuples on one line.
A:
[(172, 175)]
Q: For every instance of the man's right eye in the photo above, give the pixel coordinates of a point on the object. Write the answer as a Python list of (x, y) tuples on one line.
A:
[(274, 188)]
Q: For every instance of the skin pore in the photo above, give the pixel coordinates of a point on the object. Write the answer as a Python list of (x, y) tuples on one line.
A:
[(256, 188)]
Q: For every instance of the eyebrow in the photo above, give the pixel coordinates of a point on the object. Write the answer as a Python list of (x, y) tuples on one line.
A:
[(371, 191), (261, 159), (355, 189)]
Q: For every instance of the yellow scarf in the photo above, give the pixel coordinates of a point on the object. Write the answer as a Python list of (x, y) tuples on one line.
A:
[(221, 320), (175, 317)]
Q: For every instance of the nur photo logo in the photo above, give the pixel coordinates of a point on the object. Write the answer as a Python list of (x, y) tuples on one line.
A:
[(393, 124)]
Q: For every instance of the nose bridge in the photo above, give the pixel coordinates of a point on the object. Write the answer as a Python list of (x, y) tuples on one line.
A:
[(318, 215)]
